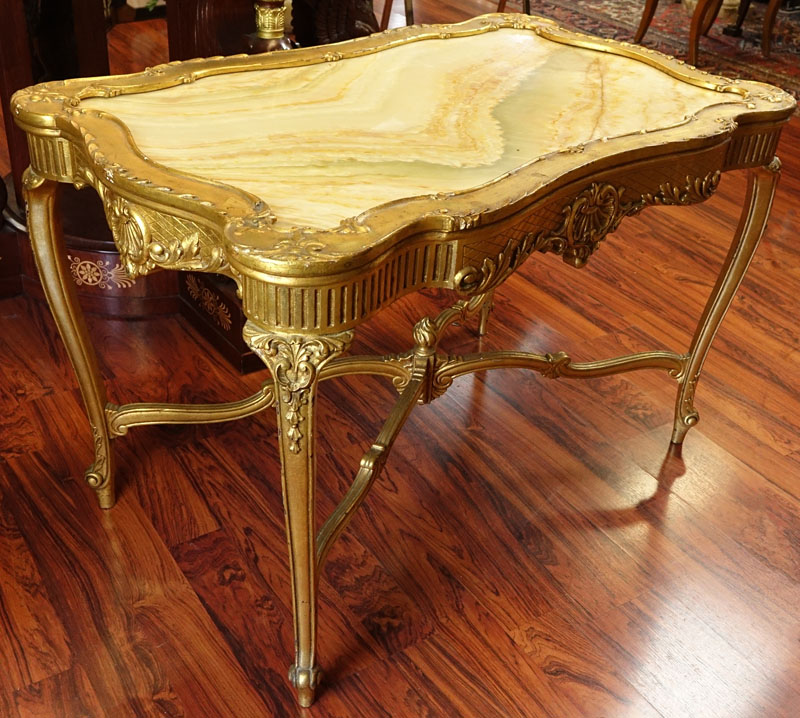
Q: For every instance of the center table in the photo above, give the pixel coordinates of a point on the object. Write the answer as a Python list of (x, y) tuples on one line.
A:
[(328, 182)]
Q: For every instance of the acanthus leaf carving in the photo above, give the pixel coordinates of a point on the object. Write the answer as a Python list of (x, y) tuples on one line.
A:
[(694, 190), (494, 270), (458, 222), (295, 362)]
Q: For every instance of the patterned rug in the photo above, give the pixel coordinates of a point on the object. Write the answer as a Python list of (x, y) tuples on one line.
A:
[(669, 32)]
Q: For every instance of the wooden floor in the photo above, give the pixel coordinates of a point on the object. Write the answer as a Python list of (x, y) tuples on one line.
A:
[(532, 549)]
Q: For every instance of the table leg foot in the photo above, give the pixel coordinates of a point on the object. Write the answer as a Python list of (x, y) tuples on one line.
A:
[(305, 682), (760, 191), (103, 486), (682, 425), (44, 228)]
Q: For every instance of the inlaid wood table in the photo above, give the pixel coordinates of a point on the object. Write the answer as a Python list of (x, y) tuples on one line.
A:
[(328, 182)]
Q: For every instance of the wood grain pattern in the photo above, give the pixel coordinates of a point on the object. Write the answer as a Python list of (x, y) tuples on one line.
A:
[(66, 694), (532, 548), (35, 645)]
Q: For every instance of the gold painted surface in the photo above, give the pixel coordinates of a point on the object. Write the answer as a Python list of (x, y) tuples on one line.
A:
[(270, 20)]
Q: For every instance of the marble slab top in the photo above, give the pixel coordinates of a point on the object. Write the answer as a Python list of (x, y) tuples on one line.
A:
[(324, 142)]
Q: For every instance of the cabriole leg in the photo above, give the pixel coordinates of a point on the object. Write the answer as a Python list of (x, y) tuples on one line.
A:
[(44, 227), (760, 191), (295, 362)]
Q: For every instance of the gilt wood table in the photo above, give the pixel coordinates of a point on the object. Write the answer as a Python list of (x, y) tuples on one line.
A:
[(328, 182)]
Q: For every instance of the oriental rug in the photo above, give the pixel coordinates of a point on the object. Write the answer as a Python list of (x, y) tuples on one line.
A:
[(669, 33)]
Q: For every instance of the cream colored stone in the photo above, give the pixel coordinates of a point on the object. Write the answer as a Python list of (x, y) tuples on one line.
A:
[(325, 142)]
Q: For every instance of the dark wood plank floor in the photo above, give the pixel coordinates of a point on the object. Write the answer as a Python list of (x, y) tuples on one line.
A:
[(533, 548)]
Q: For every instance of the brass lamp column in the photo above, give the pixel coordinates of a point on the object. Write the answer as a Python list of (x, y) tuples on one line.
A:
[(270, 31)]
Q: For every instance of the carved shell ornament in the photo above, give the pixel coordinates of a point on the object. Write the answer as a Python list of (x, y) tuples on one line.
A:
[(172, 243), (130, 233), (595, 212)]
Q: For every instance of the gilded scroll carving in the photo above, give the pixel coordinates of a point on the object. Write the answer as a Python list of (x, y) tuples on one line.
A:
[(592, 215), (97, 475), (587, 220), (694, 189), (555, 366), (298, 244), (295, 362), (494, 270)]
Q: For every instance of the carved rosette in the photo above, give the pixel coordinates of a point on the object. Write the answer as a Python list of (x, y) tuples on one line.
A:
[(295, 362)]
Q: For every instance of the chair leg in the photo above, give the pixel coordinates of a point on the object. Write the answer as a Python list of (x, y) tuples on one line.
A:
[(47, 242), (735, 30), (526, 6), (699, 21), (647, 18), (760, 191), (387, 13), (409, 12), (769, 24), (710, 16)]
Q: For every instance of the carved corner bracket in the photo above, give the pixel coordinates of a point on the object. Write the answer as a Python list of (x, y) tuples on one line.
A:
[(295, 362)]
